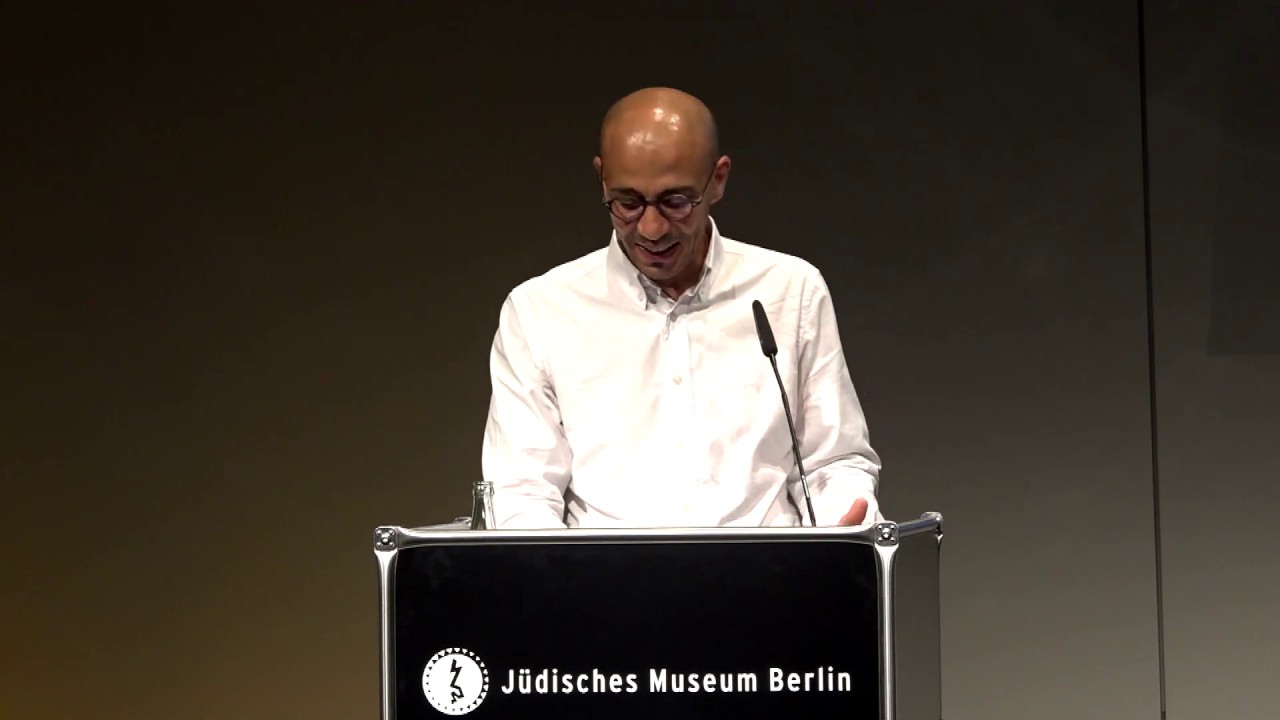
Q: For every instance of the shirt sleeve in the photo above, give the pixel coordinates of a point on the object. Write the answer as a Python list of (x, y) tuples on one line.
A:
[(833, 435), (525, 453)]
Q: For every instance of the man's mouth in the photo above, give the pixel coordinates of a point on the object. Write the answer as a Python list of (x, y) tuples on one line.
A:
[(664, 253)]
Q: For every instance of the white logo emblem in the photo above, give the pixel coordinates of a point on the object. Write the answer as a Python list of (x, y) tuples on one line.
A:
[(455, 681)]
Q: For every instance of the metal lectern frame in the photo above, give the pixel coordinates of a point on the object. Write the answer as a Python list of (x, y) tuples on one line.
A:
[(886, 538)]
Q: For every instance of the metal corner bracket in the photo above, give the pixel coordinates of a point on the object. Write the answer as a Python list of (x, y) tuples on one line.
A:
[(385, 538), (886, 533)]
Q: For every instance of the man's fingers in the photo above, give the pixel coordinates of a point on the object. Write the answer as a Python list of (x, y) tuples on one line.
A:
[(857, 514)]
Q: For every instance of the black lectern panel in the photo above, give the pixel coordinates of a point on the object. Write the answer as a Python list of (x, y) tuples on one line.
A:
[(666, 629)]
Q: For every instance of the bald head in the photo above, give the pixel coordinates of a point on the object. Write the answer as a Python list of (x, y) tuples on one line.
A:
[(660, 170), (659, 120)]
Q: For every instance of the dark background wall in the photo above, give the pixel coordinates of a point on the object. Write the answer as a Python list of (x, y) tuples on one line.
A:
[(1214, 91), (253, 261)]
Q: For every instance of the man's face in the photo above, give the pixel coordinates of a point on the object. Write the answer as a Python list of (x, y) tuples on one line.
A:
[(665, 238)]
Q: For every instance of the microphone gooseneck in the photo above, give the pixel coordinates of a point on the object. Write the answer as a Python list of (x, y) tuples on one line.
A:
[(770, 348)]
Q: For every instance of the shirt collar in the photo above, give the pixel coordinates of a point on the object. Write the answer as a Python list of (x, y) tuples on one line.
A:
[(631, 285)]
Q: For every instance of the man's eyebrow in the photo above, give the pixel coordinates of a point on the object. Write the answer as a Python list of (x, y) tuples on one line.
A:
[(681, 190)]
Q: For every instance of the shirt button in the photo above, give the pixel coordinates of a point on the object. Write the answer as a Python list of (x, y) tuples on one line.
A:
[(677, 380)]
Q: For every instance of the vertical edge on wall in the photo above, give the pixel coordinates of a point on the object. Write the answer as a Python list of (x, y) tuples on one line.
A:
[(1151, 345)]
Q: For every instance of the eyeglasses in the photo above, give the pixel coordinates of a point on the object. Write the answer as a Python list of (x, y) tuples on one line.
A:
[(676, 206)]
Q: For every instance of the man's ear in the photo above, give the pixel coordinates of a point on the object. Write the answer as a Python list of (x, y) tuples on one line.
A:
[(721, 175), (598, 164)]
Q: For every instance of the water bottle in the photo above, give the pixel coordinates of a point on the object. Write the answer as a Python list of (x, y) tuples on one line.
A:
[(482, 517)]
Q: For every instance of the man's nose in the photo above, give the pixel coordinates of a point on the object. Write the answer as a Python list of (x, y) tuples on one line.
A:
[(652, 225)]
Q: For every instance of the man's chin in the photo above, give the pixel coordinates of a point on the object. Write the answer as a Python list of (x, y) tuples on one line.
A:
[(658, 276)]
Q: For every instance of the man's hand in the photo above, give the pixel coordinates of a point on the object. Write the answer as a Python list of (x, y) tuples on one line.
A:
[(856, 514)]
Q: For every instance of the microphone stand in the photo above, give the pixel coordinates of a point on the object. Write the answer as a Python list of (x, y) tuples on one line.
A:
[(769, 346)]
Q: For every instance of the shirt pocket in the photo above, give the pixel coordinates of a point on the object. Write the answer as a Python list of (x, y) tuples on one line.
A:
[(604, 408), (732, 406)]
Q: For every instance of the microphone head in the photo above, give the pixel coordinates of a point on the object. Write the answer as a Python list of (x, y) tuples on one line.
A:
[(767, 343)]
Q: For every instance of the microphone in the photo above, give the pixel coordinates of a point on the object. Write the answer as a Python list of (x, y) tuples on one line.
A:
[(770, 348)]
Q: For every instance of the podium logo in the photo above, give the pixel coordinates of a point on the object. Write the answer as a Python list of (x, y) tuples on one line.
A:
[(455, 681)]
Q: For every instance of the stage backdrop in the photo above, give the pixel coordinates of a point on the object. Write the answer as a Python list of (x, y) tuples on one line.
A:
[(253, 261)]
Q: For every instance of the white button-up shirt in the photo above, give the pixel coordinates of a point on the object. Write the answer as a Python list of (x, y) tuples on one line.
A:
[(615, 406)]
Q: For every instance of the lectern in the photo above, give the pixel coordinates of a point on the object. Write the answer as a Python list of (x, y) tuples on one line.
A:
[(662, 624)]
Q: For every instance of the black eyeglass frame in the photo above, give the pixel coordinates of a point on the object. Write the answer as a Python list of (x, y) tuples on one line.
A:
[(657, 203)]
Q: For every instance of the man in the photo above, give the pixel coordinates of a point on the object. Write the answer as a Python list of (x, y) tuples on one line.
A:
[(629, 388)]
